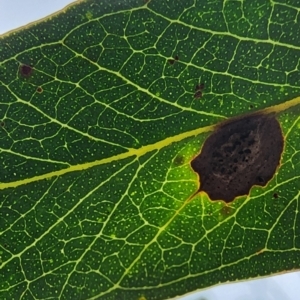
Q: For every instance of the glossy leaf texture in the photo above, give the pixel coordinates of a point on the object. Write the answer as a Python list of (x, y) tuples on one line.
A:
[(102, 107)]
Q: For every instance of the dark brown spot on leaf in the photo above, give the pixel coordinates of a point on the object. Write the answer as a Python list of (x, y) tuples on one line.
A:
[(26, 70), (173, 60), (39, 89), (198, 90), (275, 195), (198, 94), (199, 87), (2, 124), (239, 154)]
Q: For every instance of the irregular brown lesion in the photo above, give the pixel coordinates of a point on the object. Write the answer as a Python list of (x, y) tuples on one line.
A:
[(239, 154), (173, 60)]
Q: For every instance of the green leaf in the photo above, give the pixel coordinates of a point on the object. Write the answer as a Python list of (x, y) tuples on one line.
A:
[(99, 123)]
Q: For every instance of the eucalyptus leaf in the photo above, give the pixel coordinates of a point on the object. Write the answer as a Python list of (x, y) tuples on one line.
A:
[(103, 107)]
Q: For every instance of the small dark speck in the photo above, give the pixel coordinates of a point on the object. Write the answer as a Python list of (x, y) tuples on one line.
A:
[(39, 89), (198, 94), (199, 87), (275, 195), (173, 60), (2, 124), (198, 90)]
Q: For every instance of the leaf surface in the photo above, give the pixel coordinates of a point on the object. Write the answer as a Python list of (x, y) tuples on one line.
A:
[(101, 116)]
